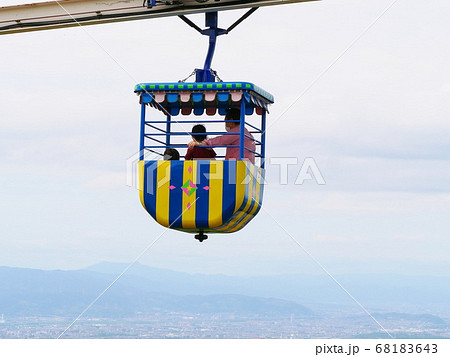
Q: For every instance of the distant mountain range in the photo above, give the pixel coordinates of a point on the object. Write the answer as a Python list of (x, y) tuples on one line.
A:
[(147, 290), (368, 289), (30, 292)]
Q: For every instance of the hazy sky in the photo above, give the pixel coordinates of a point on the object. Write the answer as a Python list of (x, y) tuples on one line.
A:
[(377, 125)]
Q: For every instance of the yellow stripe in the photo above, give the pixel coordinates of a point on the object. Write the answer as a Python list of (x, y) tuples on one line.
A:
[(256, 193), (163, 193), (241, 173), (258, 179), (188, 217), (235, 225), (257, 185), (261, 183), (243, 212), (141, 185), (215, 193), (251, 172), (246, 215)]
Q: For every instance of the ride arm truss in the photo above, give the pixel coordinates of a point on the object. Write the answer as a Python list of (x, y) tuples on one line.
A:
[(69, 13)]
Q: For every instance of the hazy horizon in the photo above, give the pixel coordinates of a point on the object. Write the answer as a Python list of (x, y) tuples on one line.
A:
[(154, 303), (321, 273)]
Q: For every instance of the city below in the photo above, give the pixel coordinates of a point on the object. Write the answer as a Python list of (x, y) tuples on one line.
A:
[(151, 303)]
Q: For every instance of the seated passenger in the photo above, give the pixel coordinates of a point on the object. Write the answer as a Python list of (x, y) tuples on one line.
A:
[(197, 152), (232, 127), (171, 154)]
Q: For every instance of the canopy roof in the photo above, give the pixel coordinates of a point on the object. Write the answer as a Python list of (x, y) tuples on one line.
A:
[(207, 96)]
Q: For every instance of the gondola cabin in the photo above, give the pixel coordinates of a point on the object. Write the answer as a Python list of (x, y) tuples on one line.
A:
[(200, 196)]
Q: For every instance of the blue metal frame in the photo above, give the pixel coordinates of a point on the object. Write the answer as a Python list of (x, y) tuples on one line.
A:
[(263, 138), (211, 21), (142, 141), (252, 96), (242, 131), (168, 130), (150, 131), (150, 3)]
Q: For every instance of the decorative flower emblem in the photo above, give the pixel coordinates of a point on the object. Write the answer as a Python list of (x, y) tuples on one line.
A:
[(189, 188)]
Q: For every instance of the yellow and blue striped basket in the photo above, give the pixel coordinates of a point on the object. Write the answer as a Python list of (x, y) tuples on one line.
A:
[(201, 196)]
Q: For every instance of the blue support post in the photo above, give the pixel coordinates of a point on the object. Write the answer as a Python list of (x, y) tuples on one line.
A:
[(242, 131), (211, 21), (141, 145), (151, 3), (263, 138), (168, 130)]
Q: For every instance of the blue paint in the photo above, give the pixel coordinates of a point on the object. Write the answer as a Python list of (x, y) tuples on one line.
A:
[(197, 97), (229, 189), (199, 109), (242, 131), (263, 139), (175, 110), (141, 144), (176, 195), (168, 117), (223, 97), (202, 203), (172, 97), (149, 187)]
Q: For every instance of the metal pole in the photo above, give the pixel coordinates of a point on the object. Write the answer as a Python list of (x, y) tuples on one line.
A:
[(141, 145), (211, 20), (168, 131), (242, 131), (263, 138)]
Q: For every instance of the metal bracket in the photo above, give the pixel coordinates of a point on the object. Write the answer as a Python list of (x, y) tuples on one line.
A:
[(212, 31)]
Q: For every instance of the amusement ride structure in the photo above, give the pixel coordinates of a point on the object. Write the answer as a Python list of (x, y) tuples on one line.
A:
[(194, 196)]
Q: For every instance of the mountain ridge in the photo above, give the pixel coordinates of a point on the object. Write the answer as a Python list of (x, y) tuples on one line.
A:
[(369, 288), (32, 292)]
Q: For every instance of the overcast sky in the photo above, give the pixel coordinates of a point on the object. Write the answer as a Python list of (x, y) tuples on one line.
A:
[(377, 125)]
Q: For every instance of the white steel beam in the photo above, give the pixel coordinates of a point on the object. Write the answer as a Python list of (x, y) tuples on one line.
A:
[(68, 13)]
